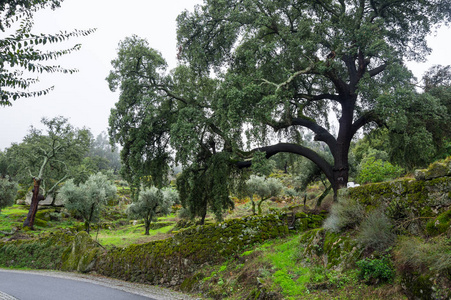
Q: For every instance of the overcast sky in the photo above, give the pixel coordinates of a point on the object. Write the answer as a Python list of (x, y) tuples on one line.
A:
[(84, 97)]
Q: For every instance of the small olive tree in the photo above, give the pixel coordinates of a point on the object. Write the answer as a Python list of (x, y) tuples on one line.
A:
[(264, 188), (87, 199), (151, 203), (8, 190)]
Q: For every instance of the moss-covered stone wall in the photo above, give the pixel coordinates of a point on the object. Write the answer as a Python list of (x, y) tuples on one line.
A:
[(43, 253), (170, 261), (425, 198)]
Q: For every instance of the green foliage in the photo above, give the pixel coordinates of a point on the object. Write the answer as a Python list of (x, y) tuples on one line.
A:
[(206, 186), (141, 120), (376, 270), (268, 71), (87, 199), (151, 203), (264, 188), (52, 155), (8, 191), (377, 170), (261, 165), (376, 231), (291, 276), (20, 51)]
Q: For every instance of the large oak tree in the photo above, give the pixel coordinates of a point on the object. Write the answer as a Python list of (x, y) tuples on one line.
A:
[(269, 71)]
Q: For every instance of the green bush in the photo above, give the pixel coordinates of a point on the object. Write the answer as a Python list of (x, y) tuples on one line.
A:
[(376, 270), (377, 170), (8, 191)]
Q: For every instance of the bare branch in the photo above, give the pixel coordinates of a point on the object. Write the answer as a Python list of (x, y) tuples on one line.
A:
[(290, 79)]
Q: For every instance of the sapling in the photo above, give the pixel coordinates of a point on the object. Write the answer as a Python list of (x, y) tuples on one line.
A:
[(87, 199), (263, 188), (151, 203)]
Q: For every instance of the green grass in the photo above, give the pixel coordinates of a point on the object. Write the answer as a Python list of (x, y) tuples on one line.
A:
[(15, 210), (289, 274), (122, 237)]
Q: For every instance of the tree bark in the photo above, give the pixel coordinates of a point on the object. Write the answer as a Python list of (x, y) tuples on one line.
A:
[(29, 221), (202, 221), (253, 206), (259, 205)]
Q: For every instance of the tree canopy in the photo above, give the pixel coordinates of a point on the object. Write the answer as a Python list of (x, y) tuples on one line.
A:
[(152, 202), (88, 198), (264, 188), (8, 191), (47, 158), (20, 51), (269, 71)]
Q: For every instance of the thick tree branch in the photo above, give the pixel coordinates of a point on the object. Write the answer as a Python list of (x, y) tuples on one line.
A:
[(325, 167), (319, 97), (366, 118), (321, 134), (377, 70)]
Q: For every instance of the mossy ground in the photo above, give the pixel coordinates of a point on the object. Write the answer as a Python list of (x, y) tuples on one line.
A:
[(280, 269)]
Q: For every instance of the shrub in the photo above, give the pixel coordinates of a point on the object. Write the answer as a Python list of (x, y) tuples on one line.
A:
[(435, 256), (376, 232), (377, 170), (376, 270), (8, 191), (264, 188), (425, 267), (346, 213)]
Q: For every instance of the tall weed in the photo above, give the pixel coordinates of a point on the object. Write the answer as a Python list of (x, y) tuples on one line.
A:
[(346, 213), (435, 256), (376, 232)]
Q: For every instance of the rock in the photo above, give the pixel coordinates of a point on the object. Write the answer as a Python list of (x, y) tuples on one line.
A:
[(435, 170), (82, 255)]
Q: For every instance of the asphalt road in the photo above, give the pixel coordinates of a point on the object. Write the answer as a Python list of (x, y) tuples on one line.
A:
[(28, 286)]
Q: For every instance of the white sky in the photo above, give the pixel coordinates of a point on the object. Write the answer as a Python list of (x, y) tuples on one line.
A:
[(84, 97)]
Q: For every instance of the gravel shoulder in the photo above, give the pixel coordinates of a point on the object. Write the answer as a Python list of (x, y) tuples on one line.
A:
[(150, 291)]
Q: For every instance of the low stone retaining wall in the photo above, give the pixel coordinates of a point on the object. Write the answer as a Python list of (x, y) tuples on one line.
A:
[(170, 261)]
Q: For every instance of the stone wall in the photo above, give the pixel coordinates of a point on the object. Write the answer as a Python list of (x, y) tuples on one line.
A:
[(426, 195), (170, 261), (167, 262)]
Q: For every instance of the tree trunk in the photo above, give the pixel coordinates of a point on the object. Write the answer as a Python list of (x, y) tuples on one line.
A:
[(260, 205), (202, 221), (323, 195), (253, 206), (87, 226), (29, 221), (147, 229)]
